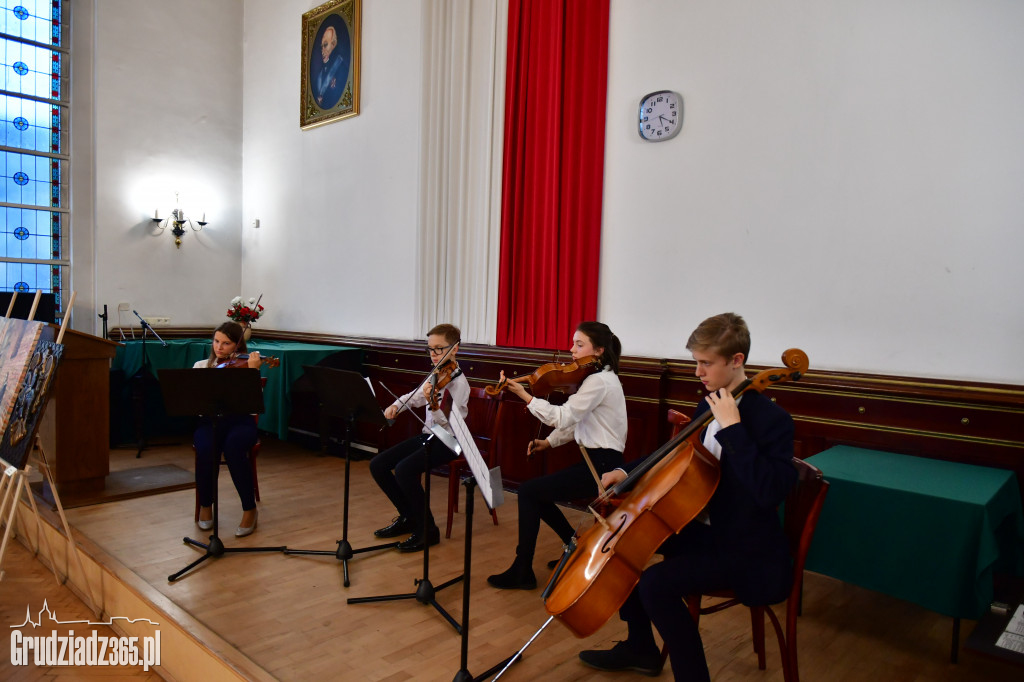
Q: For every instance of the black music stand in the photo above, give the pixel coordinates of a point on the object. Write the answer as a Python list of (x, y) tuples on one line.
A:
[(425, 590), (346, 395), (215, 393), (491, 487)]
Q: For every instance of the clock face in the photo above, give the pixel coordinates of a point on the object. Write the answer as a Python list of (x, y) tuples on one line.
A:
[(661, 115)]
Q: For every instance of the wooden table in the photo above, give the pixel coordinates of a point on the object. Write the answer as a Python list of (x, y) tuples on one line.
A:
[(183, 353)]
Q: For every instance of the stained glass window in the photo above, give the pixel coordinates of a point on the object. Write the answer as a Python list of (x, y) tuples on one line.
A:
[(34, 110)]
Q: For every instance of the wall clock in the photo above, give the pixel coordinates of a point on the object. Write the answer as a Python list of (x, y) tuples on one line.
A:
[(661, 115)]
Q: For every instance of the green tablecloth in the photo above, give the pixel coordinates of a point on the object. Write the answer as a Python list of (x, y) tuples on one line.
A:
[(924, 530), (183, 353)]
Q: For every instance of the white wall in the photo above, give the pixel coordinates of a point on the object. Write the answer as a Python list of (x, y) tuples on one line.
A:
[(337, 204), (848, 175), (849, 178), (167, 113)]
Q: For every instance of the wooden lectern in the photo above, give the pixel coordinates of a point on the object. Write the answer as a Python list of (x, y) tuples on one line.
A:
[(75, 427)]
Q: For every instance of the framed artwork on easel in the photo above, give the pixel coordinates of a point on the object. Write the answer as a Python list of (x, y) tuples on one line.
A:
[(28, 362), (329, 83)]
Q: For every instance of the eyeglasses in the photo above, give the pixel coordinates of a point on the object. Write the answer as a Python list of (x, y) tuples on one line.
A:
[(437, 350)]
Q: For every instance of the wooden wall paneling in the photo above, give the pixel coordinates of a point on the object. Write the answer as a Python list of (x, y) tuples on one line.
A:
[(962, 421)]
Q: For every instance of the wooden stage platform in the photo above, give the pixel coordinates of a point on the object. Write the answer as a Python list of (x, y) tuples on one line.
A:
[(266, 616)]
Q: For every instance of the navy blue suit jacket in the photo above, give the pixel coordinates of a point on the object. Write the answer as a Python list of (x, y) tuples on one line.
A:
[(745, 531)]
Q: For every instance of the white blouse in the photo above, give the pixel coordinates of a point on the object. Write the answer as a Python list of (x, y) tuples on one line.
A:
[(595, 415)]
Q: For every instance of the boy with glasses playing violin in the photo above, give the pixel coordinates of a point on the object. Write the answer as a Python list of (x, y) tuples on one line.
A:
[(737, 541), (397, 470)]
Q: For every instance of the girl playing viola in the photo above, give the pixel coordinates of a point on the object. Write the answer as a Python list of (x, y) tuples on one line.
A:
[(595, 416), (397, 470), (236, 435)]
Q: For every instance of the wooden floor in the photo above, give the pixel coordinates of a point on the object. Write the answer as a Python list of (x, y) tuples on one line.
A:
[(290, 616)]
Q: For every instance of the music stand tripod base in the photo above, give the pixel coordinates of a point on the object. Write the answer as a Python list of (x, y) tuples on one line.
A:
[(345, 395), (425, 592)]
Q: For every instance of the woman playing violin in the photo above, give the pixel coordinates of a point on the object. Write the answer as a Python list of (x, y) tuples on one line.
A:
[(737, 542), (595, 417), (398, 469), (235, 437)]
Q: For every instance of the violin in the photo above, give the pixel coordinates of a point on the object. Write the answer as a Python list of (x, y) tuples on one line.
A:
[(553, 376), (661, 495), (241, 361), (439, 378)]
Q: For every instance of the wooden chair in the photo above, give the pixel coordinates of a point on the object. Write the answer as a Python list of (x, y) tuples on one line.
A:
[(482, 421), (254, 452), (801, 511), (678, 420)]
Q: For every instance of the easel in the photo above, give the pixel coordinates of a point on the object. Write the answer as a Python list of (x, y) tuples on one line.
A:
[(216, 393), (346, 395), (14, 482)]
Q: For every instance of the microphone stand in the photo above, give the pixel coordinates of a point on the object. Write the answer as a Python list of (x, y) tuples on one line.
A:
[(104, 317), (140, 376)]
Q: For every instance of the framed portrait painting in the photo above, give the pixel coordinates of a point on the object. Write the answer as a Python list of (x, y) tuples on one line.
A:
[(330, 63)]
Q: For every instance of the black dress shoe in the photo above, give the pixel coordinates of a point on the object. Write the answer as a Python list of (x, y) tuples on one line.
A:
[(398, 526), (623, 657), (416, 543), (519, 577)]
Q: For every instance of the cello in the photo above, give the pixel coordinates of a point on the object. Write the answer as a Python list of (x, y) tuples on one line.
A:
[(659, 497)]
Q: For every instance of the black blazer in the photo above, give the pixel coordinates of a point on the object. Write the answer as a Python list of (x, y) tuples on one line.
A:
[(757, 474)]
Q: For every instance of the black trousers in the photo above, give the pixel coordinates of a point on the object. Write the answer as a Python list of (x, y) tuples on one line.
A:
[(398, 469), (235, 437), (537, 498), (691, 566)]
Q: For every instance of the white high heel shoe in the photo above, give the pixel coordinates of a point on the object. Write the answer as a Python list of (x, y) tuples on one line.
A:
[(205, 524), (242, 531)]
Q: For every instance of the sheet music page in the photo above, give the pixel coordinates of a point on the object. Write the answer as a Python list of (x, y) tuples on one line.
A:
[(1013, 636), (492, 493)]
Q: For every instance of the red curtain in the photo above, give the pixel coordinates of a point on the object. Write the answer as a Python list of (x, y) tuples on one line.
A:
[(555, 92)]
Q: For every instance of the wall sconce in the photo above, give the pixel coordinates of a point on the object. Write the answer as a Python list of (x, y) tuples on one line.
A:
[(178, 220)]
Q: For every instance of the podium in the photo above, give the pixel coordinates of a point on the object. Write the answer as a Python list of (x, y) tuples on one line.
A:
[(75, 427)]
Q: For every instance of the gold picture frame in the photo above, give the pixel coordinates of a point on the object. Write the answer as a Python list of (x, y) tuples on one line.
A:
[(331, 41)]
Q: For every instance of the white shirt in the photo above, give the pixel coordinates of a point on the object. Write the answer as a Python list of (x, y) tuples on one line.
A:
[(458, 387), (712, 445), (595, 415)]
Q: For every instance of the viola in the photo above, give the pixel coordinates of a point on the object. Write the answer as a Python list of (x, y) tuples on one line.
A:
[(566, 377), (658, 498), (439, 378), (241, 361)]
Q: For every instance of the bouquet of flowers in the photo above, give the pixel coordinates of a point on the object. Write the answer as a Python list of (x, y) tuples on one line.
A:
[(245, 312)]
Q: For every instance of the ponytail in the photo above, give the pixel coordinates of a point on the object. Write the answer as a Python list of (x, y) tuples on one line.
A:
[(601, 335)]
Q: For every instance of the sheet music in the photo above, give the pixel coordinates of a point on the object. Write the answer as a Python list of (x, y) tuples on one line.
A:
[(1013, 636), (489, 481)]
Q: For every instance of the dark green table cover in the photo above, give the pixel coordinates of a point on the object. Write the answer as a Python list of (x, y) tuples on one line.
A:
[(183, 353), (924, 530)]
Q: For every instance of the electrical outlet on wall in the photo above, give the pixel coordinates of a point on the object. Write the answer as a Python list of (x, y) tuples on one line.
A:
[(157, 320)]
